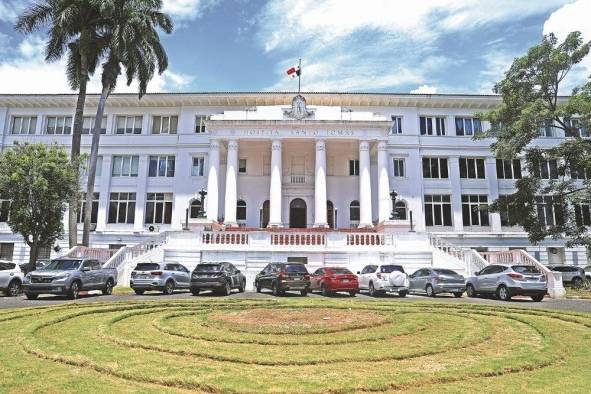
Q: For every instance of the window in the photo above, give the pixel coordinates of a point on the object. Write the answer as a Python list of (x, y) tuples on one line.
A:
[(4, 210), (432, 125), (574, 128), (438, 210), (396, 125), (548, 130), (241, 210), (354, 211), (546, 169), (128, 124), (165, 124), (88, 125), (475, 209), (471, 168), (550, 212), (94, 209), (158, 208), (197, 167), (200, 123), (354, 167), (161, 166), (195, 209), (468, 126), (583, 214), (579, 173), (398, 168), (122, 208), (58, 125), (125, 165), (44, 253), (508, 169), (99, 166), (400, 210), (242, 166), (505, 210), (23, 125), (435, 168), (6, 251)]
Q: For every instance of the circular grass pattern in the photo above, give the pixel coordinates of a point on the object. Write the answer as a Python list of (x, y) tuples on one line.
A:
[(212, 345)]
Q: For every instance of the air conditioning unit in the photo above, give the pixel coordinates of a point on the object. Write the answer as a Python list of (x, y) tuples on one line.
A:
[(93, 227), (153, 228)]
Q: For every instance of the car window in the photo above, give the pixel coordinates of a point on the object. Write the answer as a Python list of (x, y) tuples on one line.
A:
[(208, 267), (295, 268), (525, 269), (319, 271), (340, 271), (444, 272), (364, 270), (386, 269), (147, 267), (6, 266), (488, 270), (169, 267), (232, 268)]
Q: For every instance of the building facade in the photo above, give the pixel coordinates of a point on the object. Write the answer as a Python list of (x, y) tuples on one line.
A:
[(271, 162)]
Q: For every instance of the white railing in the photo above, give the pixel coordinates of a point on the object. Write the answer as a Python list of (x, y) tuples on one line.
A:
[(224, 238), (298, 239), (474, 261), (100, 254), (298, 179), (366, 239), (446, 246)]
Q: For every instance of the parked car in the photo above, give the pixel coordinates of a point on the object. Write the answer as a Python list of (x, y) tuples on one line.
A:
[(11, 278), (432, 281), (69, 276), (506, 281), (164, 277), (384, 278), (588, 272), (219, 277), (573, 275), (282, 277), (330, 280)]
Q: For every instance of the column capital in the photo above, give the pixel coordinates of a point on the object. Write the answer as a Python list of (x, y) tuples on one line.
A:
[(276, 145), (363, 146), (233, 144), (214, 145), (382, 146), (320, 145)]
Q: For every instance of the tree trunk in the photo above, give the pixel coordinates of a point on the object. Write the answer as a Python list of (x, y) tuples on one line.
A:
[(96, 136), (75, 151), (33, 253)]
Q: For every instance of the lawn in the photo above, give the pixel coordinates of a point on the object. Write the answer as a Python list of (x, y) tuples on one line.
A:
[(292, 345)]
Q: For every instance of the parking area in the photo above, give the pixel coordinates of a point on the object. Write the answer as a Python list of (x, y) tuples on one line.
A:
[(521, 302)]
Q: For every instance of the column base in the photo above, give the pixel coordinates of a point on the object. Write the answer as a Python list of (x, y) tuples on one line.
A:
[(393, 226), (230, 224), (275, 225), (365, 225), (320, 225)]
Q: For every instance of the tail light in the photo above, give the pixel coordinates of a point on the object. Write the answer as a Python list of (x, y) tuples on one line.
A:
[(513, 275), (307, 276), (156, 273)]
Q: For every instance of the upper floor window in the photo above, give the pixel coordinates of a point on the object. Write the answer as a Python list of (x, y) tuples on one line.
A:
[(435, 168), (23, 125), (396, 125), (438, 210), (354, 167), (93, 209), (128, 124), (549, 210), (432, 125), (88, 125), (471, 168), (158, 208), (575, 129), (398, 167), (122, 208), (583, 214), (475, 209), (242, 166), (579, 172), (508, 169), (200, 123), (161, 166), (468, 126), (546, 169), (125, 165), (197, 167), (165, 124), (505, 211), (548, 130), (58, 125), (99, 166)]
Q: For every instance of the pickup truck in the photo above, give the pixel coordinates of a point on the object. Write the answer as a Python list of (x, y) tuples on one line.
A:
[(68, 276)]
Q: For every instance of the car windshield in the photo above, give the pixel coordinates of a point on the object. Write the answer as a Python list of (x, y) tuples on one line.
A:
[(6, 266), (208, 267), (525, 269), (147, 267), (67, 265), (340, 271), (386, 269), (295, 268), (445, 272)]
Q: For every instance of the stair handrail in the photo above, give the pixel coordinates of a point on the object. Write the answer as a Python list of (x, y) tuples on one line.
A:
[(446, 246), (474, 261), (131, 252)]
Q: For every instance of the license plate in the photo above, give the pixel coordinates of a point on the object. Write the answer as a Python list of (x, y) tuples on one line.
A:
[(345, 280), (142, 276)]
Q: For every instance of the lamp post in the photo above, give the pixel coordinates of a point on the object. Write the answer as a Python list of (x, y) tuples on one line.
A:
[(393, 196), (201, 213)]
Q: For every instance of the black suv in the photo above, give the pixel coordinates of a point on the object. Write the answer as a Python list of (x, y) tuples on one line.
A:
[(282, 277), (219, 277)]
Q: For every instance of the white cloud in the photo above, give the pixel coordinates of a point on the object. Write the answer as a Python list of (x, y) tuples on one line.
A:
[(425, 89), (9, 9), (187, 9)]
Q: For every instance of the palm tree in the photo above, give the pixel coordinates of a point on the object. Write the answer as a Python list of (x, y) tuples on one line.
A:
[(134, 45), (74, 26)]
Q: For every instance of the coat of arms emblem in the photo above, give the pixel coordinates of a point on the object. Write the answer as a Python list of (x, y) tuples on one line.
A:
[(298, 109)]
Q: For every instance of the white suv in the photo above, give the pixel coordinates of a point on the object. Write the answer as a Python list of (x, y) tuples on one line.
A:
[(11, 278), (385, 278)]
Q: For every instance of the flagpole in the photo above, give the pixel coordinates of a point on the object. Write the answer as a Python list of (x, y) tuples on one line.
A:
[(299, 75)]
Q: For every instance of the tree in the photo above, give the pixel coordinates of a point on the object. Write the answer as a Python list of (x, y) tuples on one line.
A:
[(133, 45), (39, 180), (74, 26), (552, 199)]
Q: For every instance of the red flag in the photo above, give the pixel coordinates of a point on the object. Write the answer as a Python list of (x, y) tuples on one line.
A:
[(294, 72)]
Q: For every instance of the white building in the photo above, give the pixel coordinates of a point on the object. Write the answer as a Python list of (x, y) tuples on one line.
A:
[(270, 162)]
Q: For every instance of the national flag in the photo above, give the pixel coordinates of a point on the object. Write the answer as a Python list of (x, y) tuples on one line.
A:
[(294, 72)]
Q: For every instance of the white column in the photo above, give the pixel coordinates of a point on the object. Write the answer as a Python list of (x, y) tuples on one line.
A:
[(140, 196), (493, 192), (212, 181), (364, 186), (384, 201), (231, 181), (456, 193), (104, 194), (275, 193), (320, 218)]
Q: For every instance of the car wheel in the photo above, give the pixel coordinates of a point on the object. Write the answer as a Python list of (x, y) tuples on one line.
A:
[(324, 291), (139, 292), (470, 292), (430, 291), (31, 296), (14, 288), (372, 290), (169, 288), (108, 290), (195, 292), (242, 286), (74, 290), (274, 289), (402, 293), (352, 293), (458, 294), (304, 292), (577, 283), (503, 293), (537, 298), (227, 289)]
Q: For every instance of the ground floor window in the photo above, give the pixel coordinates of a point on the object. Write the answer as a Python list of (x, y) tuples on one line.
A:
[(195, 209), (475, 209), (158, 208), (122, 208), (241, 210), (43, 252), (354, 211), (438, 210), (6, 251), (94, 213), (401, 210)]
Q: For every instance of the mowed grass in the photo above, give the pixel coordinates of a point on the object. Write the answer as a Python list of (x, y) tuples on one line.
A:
[(292, 345)]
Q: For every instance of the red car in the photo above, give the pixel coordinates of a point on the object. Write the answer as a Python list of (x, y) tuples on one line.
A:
[(333, 279)]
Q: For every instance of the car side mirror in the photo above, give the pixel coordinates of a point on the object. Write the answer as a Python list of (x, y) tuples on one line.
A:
[(237, 271), (476, 273), (85, 269), (358, 273)]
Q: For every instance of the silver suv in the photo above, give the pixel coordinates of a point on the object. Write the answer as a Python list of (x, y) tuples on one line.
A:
[(164, 277), (571, 274), (11, 278), (506, 281)]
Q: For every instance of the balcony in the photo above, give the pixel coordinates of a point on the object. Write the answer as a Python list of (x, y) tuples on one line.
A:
[(294, 179)]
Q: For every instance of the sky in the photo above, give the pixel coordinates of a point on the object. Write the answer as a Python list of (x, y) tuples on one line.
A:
[(420, 46)]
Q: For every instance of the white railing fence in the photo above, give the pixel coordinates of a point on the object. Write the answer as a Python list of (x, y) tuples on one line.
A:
[(446, 246), (100, 254), (474, 261)]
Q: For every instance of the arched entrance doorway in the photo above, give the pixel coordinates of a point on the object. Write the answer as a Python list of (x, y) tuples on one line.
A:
[(265, 214), (297, 213), (330, 213)]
